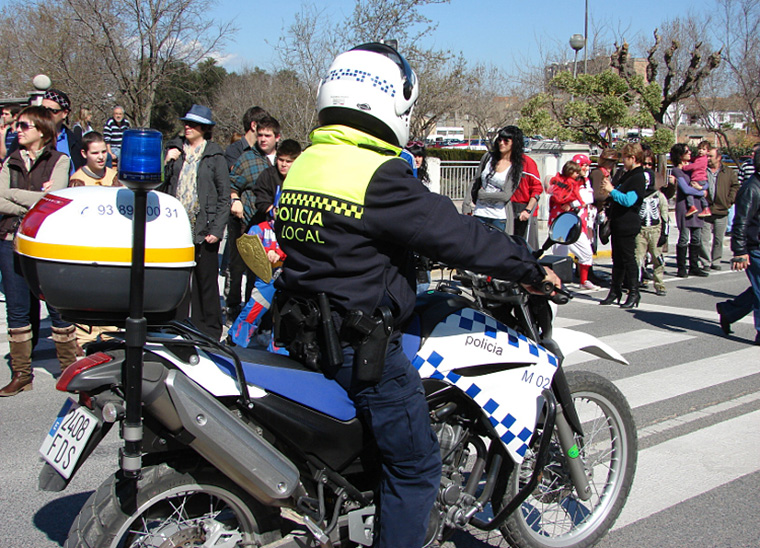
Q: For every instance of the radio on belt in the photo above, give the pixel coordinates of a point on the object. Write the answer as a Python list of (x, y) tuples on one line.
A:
[(75, 247)]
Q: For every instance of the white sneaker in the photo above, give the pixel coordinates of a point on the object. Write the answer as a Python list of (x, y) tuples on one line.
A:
[(588, 284)]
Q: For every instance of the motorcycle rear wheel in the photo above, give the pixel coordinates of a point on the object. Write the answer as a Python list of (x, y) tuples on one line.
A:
[(172, 508), (553, 516)]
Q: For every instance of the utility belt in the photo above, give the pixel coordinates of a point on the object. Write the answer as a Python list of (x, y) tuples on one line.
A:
[(307, 328)]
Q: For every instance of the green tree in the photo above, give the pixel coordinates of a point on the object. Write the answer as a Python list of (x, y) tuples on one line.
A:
[(184, 87), (587, 108)]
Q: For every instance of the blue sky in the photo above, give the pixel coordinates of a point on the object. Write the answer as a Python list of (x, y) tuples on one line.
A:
[(506, 33)]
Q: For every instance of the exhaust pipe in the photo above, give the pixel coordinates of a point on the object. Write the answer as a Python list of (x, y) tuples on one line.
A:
[(229, 444)]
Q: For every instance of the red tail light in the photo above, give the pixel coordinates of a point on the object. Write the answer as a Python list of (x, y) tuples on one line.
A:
[(80, 365), (42, 209)]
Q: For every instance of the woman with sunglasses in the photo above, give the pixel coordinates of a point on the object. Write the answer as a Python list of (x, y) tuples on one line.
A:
[(32, 170), (505, 192), (689, 228)]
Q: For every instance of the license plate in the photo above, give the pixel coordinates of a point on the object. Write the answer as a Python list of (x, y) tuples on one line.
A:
[(67, 438)]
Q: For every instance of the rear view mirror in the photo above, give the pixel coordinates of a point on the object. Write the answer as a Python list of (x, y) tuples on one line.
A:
[(566, 229)]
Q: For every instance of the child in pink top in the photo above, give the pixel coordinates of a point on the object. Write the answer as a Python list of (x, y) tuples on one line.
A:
[(697, 171)]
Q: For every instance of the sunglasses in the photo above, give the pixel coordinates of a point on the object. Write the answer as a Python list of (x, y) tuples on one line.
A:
[(25, 126), (650, 164), (53, 110)]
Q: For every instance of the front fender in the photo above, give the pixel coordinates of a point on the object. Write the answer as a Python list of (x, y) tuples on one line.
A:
[(570, 341)]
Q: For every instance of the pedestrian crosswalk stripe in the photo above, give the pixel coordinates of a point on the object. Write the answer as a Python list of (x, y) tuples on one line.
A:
[(694, 313), (663, 384), (691, 465), (632, 341), (568, 323), (703, 413)]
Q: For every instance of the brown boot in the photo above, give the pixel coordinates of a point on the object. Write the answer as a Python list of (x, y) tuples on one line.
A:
[(20, 341), (65, 340)]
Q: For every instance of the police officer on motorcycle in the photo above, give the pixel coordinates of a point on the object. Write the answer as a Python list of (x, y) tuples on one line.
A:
[(350, 216)]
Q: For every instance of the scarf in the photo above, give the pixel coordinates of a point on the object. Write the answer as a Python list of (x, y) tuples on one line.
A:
[(187, 184)]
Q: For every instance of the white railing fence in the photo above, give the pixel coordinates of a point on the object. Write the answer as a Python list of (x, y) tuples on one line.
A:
[(456, 178)]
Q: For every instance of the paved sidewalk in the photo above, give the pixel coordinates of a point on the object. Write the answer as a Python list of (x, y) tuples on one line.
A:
[(44, 360)]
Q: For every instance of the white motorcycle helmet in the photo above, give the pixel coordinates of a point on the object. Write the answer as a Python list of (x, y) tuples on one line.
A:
[(371, 88)]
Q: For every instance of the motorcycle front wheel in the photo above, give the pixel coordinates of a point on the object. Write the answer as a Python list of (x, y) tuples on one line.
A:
[(553, 516), (172, 508)]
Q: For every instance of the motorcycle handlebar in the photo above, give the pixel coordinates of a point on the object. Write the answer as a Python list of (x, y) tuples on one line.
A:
[(558, 295), (561, 295)]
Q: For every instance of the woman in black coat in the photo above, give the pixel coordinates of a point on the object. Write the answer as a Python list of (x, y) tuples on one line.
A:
[(625, 224), (197, 175)]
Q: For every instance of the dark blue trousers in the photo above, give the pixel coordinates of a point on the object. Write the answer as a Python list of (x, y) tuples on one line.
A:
[(22, 308), (397, 413), (749, 300)]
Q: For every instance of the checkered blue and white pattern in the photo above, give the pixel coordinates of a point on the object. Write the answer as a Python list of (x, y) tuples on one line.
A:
[(360, 76), (509, 398)]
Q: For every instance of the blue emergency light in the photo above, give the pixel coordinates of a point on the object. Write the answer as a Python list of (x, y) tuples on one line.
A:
[(141, 163)]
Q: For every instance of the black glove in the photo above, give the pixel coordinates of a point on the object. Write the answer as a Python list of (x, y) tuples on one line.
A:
[(663, 235)]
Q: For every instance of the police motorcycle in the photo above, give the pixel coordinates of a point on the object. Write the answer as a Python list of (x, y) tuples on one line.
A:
[(242, 447)]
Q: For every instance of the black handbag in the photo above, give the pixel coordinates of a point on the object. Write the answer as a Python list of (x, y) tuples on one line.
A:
[(605, 230)]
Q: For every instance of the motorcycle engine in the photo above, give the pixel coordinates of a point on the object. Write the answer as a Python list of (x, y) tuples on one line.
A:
[(449, 435), (454, 455)]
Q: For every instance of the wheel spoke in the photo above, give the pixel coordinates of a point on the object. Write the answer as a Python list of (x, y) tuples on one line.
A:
[(554, 511)]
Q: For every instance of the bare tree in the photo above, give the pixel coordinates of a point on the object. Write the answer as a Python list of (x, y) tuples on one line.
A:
[(130, 45), (685, 68), (737, 31), (281, 93), (71, 67), (400, 20), (306, 48), (141, 40), (310, 43), (441, 82), (488, 102)]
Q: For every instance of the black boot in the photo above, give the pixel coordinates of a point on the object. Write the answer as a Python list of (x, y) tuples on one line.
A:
[(694, 268), (616, 291), (681, 261), (632, 300), (612, 296)]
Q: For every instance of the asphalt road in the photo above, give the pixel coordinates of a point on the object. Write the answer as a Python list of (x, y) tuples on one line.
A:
[(695, 396)]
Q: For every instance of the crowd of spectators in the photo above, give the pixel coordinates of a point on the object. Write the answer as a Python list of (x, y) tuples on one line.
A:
[(232, 193)]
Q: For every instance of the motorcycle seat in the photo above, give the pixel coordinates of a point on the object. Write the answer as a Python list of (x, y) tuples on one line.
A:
[(290, 379)]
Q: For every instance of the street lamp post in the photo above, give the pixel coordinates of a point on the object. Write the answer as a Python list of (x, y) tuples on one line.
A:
[(585, 38), (577, 42)]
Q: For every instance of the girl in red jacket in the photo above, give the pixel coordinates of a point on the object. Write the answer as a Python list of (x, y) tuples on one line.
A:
[(564, 189)]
